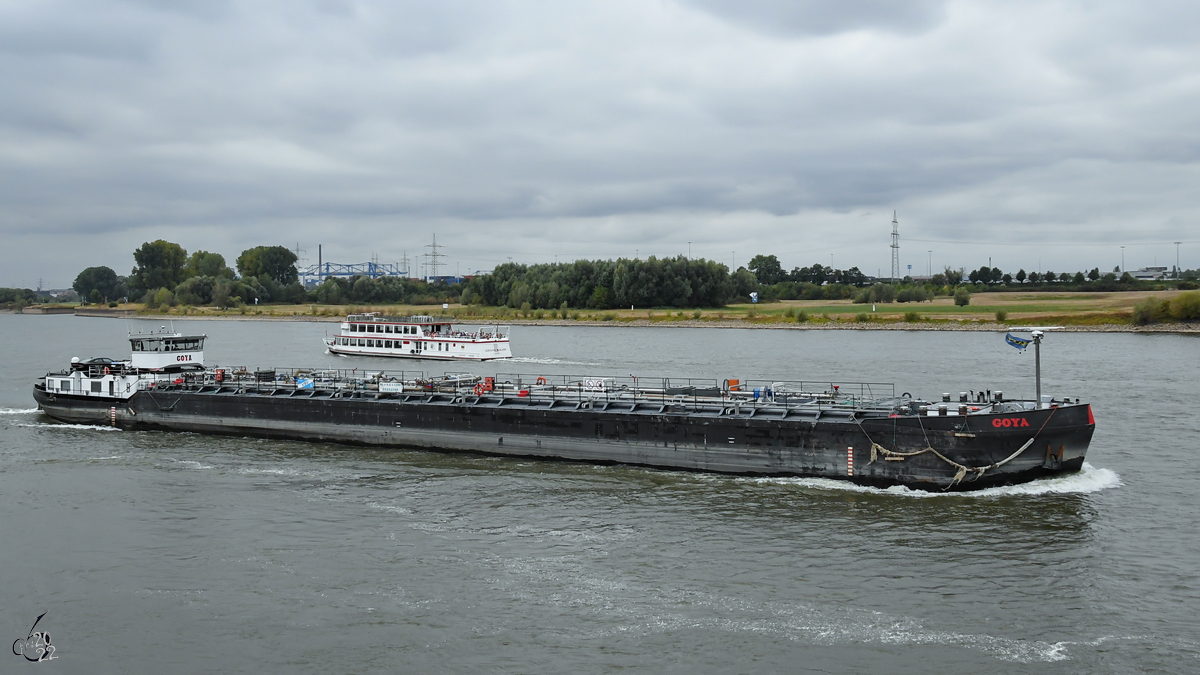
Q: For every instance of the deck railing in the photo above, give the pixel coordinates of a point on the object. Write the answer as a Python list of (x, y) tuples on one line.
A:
[(592, 389)]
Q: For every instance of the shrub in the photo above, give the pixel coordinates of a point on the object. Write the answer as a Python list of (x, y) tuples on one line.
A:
[(862, 317), (1188, 285), (1150, 310), (912, 317), (610, 316), (790, 313), (911, 294), (697, 314), (1186, 306), (962, 297), (876, 293), (801, 317), (1001, 315), (164, 298)]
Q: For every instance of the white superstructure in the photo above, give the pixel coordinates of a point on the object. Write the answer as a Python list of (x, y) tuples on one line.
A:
[(418, 337), (158, 357)]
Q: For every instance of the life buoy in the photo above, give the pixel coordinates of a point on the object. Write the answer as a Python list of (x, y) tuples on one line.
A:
[(541, 380), (105, 370), (479, 390)]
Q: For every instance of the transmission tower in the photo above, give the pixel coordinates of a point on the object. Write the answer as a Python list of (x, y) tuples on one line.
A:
[(433, 256), (895, 248)]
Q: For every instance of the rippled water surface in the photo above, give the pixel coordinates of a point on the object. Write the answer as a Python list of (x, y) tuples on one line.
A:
[(158, 552)]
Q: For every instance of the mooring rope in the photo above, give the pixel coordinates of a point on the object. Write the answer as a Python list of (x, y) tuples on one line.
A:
[(961, 469)]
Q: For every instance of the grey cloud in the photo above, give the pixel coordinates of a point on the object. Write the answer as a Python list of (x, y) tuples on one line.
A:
[(813, 17), (529, 128)]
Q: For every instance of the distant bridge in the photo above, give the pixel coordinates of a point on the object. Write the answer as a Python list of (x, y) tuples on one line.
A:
[(318, 273)]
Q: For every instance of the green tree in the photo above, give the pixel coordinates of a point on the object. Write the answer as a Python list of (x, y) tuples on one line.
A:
[(766, 269), (276, 262), (744, 283), (962, 297), (1021, 276), (160, 264), (1094, 275), (102, 279), (205, 264), (196, 290)]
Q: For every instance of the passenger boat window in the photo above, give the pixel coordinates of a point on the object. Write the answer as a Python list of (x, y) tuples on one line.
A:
[(96, 387), (64, 385)]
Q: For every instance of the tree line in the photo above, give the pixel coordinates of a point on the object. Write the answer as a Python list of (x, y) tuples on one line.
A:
[(605, 284), (166, 275)]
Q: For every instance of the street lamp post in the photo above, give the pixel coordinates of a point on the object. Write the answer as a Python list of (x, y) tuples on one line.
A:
[(1177, 270), (1122, 259), (930, 264), (689, 250)]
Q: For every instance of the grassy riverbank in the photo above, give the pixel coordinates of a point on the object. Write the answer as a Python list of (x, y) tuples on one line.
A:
[(987, 311)]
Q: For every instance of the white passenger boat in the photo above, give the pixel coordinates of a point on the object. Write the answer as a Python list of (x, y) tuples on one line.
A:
[(418, 337)]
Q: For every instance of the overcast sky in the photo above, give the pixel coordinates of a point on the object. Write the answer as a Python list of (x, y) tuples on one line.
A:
[(1037, 134)]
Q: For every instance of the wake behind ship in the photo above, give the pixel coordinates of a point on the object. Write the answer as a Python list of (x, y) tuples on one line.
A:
[(860, 432)]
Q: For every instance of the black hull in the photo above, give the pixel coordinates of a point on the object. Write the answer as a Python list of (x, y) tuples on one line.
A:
[(922, 452)]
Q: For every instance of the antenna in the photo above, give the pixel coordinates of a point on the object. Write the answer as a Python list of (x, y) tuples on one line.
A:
[(433, 256), (895, 247), (407, 272)]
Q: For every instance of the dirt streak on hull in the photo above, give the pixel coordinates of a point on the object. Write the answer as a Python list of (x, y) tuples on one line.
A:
[(832, 444)]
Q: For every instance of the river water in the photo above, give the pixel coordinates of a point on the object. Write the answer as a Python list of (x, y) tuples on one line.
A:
[(160, 552)]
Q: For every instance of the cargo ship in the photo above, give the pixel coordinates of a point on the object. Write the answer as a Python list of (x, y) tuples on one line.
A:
[(417, 337), (859, 432)]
